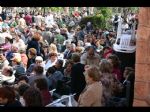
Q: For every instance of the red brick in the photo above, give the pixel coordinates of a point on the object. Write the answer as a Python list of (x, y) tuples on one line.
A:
[(141, 72), (140, 90), (140, 103), (141, 52)]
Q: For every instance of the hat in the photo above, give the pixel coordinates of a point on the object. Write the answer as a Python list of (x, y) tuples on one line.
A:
[(16, 57), (39, 58)]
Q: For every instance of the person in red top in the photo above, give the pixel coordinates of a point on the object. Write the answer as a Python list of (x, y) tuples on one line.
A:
[(42, 85), (114, 60), (107, 51), (28, 19)]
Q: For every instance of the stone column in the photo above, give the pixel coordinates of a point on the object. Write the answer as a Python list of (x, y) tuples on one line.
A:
[(142, 72)]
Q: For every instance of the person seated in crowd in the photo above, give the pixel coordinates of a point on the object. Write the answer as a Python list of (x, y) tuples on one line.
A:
[(10, 54), (3, 61), (91, 96), (53, 48), (24, 57), (38, 72), (21, 80), (51, 61), (42, 85), (7, 75), (38, 61), (71, 50), (17, 65), (32, 53), (21, 90), (90, 57), (110, 84), (7, 45), (18, 42), (32, 97), (53, 75), (67, 68), (114, 60), (77, 76), (8, 98), (107, 51), (34, 43), (59, 66)]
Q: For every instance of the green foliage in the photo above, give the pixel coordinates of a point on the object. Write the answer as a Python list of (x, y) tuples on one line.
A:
[(100, 20), (97, 21), (56, 9)]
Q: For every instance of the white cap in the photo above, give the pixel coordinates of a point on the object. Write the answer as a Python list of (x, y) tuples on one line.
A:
[(39, 58)]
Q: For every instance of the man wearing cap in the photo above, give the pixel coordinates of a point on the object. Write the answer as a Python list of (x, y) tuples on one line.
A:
[(38, 61), (9, 55), (17, 65)]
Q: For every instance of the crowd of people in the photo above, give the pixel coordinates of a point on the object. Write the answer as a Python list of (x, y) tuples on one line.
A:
[(39, 53)]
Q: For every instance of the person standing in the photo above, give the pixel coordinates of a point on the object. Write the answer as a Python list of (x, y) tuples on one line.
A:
[(77, 77)]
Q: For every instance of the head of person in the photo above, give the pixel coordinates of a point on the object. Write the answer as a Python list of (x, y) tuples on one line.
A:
[(128, 71), (91, 51), (16, 60), (22, 80), (32, 97), (106, 49), (53, 57), (114, 60), (32, 52), (80, 43), (50, 71), (7, 71), (92, 74), (7, 39), (2, 57), (72, 47), (22, 88), (37, 36), (7, 95), (39, 60), (41, 84), (68, 65), (14, 48), (105, 66), (38, 70), (75, 57), (53, 48), (59, 63)]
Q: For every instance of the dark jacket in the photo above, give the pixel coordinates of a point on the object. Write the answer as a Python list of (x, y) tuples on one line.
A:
[(30, 61), (53, 79), (30, 69), (77, 79), (34, 44), (68, 54), (14, 104), (20, 70)]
